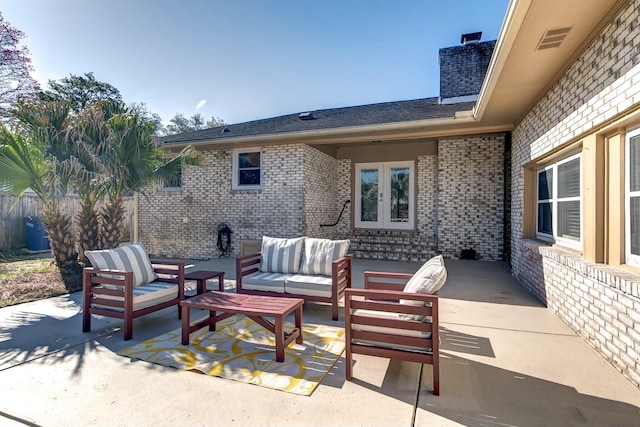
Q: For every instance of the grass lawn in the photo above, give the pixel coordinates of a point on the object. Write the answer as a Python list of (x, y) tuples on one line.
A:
[(27, 277)]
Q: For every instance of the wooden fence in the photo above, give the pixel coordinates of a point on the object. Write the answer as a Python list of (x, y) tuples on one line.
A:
[(13, 219)]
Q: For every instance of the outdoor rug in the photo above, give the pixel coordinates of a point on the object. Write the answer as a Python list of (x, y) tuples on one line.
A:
[(244, 351)]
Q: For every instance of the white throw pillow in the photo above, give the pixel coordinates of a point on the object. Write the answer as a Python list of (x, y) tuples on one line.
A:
[(127, 258), (428, 280), (281, 255), (320, 253)]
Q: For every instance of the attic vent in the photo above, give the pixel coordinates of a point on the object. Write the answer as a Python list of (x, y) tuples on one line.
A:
[(306, 116), (553, 38), (471, 38)]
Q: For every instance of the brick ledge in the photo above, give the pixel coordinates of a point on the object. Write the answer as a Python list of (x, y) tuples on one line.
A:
[(615, 277)]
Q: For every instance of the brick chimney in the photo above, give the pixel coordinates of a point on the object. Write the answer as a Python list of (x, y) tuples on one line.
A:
[(462, 68)]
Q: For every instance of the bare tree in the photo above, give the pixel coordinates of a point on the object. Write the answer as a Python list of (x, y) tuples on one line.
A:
[(16, 82)]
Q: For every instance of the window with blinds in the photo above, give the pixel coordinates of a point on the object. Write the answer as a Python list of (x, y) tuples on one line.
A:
[(632, 198), (559, 202)]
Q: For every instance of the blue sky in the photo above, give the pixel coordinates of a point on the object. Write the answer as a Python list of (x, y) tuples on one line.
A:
[(243, 60)]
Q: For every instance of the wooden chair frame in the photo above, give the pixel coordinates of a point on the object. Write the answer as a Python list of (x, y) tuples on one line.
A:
[(93, 292), (382, 292)]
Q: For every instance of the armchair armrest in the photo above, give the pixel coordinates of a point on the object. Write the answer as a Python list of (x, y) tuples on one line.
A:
[(386, 280), (389, 301), (170, 271), (341, 273)]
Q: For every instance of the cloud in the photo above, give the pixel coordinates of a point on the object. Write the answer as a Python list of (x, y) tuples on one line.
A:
[(201, 104)]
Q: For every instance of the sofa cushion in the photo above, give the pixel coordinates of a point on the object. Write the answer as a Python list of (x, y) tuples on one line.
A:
[(261, 281), (320, 253), (127, 258), (281, 255), (427, 280), (300, 284), (147, 295)]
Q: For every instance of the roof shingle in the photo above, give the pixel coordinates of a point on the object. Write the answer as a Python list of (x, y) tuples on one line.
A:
[(333, 118)]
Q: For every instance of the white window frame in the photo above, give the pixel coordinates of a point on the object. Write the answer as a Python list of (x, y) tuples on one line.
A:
[(236, 154), (554, 200), (630, 259), (384, 201)]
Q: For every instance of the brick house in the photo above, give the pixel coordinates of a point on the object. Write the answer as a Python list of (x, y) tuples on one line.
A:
[(528, 155)]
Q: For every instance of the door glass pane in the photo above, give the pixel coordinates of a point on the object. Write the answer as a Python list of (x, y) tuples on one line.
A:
[(545, 184), (569, 220), (634, 163), (369, 194), (634, 224), (545, 218), (399, 195), (569, 179)]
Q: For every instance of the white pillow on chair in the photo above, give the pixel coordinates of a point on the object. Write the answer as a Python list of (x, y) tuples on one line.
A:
[(427, 280)]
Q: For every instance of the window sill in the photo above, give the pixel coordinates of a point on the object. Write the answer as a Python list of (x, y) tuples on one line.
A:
[(625, 279)]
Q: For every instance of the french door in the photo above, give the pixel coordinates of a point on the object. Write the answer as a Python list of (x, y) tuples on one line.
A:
[(385, 195)]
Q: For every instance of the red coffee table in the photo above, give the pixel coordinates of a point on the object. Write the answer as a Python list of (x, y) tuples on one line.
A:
[(255, 307)]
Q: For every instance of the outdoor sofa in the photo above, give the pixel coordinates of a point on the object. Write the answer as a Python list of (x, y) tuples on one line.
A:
[(312, 269)]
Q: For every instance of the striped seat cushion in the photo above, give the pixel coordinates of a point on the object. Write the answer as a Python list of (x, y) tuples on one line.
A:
[(127, 258), (281, 255), (320, 253), (317, 286), (146, 295), (261, 281)]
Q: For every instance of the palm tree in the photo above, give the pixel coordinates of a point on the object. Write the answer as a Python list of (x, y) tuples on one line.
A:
[(132, 161), (119, 149), (25, 164)]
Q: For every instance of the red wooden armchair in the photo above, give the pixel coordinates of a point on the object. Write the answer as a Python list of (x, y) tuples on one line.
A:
[(381, 320)]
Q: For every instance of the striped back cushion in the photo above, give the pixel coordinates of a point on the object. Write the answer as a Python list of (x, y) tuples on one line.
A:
[(281, 255), (320, 253), (127, 258)]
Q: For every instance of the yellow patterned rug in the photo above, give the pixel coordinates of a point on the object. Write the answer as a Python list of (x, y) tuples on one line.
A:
[(244, 351)]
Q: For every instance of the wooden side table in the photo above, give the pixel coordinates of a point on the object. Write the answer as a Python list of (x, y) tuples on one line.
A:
[(201, 277)]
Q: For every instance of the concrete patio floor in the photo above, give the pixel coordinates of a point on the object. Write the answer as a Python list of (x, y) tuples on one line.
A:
[(505, 361)]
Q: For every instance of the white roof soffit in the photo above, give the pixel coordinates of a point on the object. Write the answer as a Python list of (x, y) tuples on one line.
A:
[(513, 19), (521, 72)]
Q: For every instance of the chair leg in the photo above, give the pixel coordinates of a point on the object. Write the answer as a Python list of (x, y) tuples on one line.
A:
[(128, 326), (86, 320), (348, 364), (436, 376)]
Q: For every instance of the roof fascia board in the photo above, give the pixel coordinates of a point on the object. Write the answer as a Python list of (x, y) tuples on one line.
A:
[(407, 129), (513, 19)]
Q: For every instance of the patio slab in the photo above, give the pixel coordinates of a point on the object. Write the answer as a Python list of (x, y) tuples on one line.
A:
[(506, 360)]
